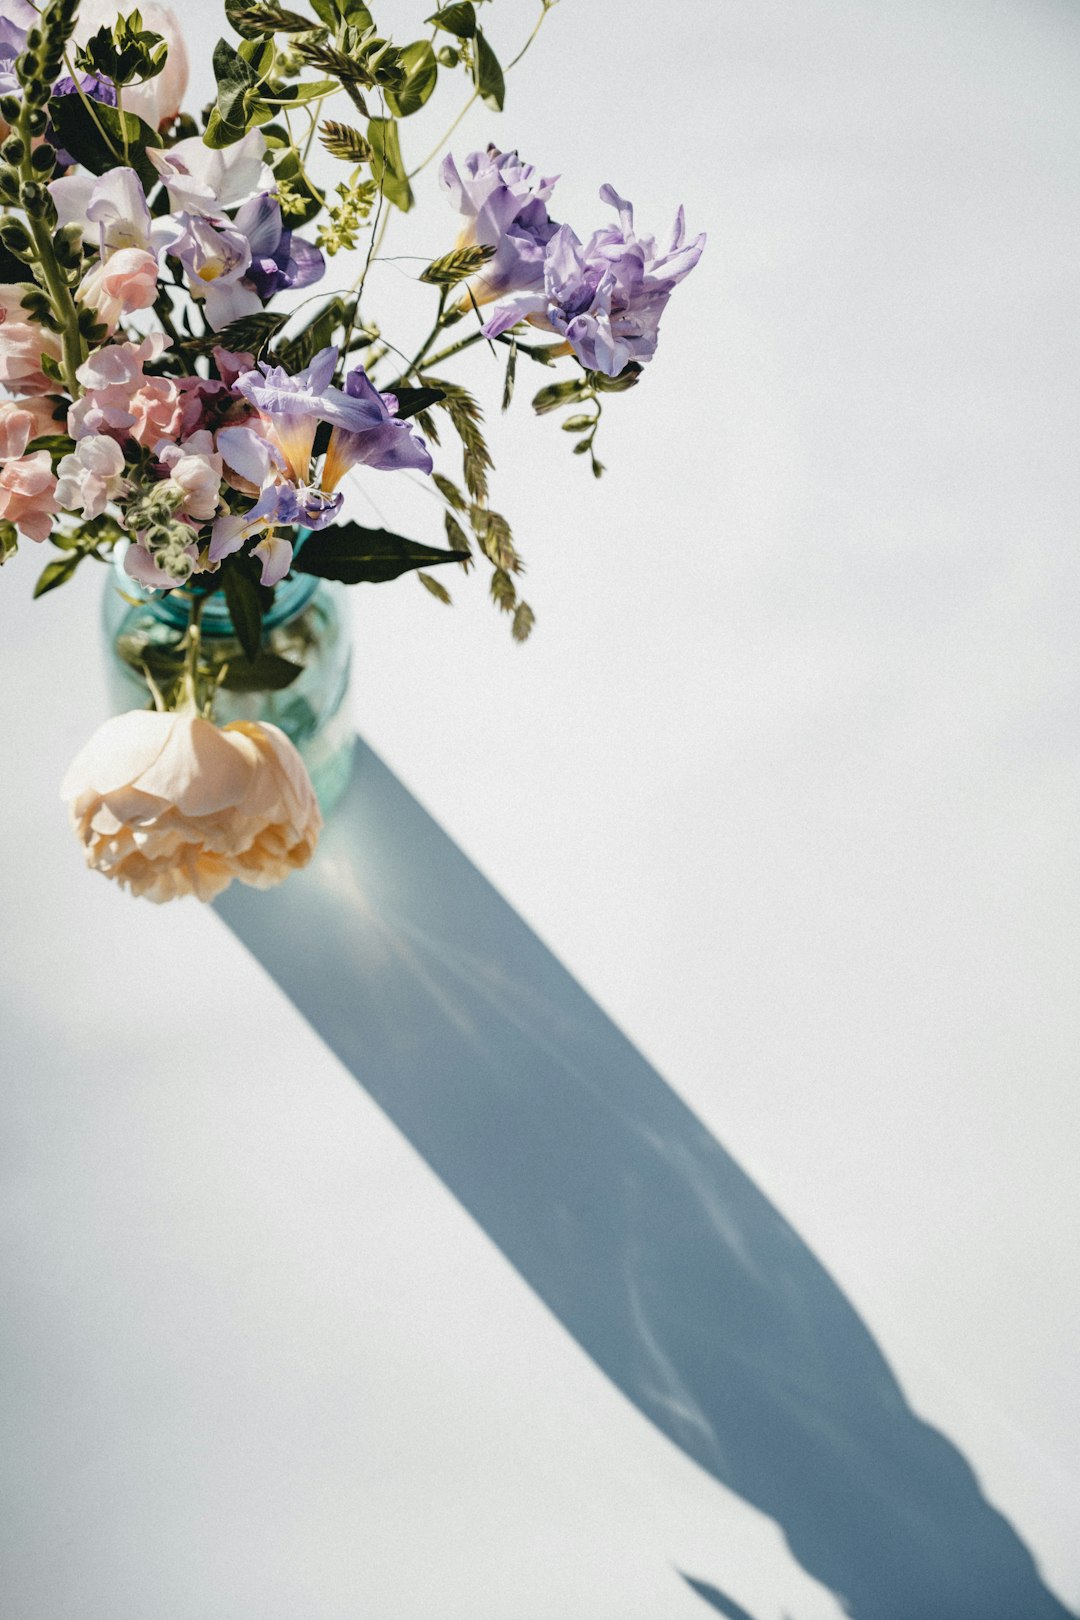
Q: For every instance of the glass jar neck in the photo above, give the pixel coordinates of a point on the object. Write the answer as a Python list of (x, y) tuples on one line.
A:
[(174, 607)]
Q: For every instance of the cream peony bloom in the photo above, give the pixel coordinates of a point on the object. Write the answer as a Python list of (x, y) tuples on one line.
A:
[(169, 804)]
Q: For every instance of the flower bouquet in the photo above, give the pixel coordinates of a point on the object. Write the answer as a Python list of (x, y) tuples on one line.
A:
[(182, 405)]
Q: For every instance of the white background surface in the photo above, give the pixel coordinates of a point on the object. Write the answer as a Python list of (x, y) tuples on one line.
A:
[(787, 776)]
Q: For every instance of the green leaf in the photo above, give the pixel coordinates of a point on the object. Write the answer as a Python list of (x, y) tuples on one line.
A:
[(265, 672), (440, 592), (411, 401), (57, 573), (458, 19), (457, 265), (488, 74), (9, 542), (79, 132), (356, 555), (342, 141), (421, 72), (245, 609), (349, 11), (387, 164)]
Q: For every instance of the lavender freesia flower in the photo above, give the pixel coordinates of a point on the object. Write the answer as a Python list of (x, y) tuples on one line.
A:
[(296, 404), (279, 504), (278, 258), (605, 298), (388, 444), (502, 203), (216, 258)]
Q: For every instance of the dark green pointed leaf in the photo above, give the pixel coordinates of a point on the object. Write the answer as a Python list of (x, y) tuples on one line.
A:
[(488, 74), (421, 72), (265, 672), (411, 401), (458, 19), (356, 555), (57, 573), (387, 164), (245, 609), (79, 132)]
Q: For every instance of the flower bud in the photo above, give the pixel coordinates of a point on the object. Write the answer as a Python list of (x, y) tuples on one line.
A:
[(37, 119), (13, 236), (10, 108), (13, 150), (43, 158)]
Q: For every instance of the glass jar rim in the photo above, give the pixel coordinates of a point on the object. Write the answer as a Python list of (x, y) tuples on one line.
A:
[(173, 607)]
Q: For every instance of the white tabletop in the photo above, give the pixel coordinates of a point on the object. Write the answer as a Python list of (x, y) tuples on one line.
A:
[(787, 779)]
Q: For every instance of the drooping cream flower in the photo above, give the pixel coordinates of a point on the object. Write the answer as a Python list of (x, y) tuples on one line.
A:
[(170, 804)]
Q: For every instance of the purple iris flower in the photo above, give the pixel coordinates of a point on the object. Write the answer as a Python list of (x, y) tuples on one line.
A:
[(605, 298), (387, 444), (502, 203), (278, 258), (97, 88), (295, 405)]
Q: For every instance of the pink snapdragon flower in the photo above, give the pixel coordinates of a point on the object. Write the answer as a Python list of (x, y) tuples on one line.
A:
[(195, 469), (21, 421), (91, 477), (119, 399), (121, 284), (23, 345), (28, 494)]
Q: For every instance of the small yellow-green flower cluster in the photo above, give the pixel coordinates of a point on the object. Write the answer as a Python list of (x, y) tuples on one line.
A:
[(347, 216)]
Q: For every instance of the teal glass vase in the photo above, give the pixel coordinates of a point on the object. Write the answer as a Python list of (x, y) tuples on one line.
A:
[(308, 625)]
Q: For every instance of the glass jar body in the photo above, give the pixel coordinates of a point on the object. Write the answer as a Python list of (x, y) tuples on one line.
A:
[(307, 625)]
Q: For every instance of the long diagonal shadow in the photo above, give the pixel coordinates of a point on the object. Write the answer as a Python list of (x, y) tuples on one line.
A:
[(669, 1267)]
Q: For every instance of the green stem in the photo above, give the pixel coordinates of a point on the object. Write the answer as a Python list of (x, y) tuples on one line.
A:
[(48, 272)]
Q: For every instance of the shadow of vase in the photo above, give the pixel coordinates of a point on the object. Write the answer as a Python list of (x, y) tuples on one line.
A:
[(629, 1220)]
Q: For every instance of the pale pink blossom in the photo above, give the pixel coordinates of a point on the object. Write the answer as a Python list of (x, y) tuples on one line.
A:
[(195, 469), (23, 345), (23, 420), (92, 477), (120, 400), (117, 286), (28, 494)]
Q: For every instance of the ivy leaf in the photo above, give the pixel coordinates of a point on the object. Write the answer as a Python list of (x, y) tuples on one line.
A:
[(356, 555), (411, 401), (488, 74), (421, 72), (458, 19), (387, 164), (245, 609), (440, 592), (57, 573), (457, 265), (79, 132), (265, 672)]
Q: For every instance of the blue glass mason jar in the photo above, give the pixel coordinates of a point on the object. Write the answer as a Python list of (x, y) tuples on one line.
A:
[(308, 625)]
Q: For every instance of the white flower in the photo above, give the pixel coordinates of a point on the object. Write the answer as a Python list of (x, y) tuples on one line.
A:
[(92, 477), (169, 804), (111, 210), (203, 180)]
